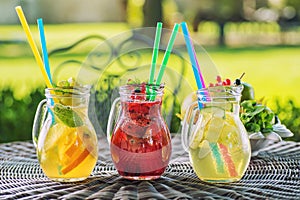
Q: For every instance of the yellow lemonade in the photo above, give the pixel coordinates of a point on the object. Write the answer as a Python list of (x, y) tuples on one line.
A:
[(67, 153), (219, 147)]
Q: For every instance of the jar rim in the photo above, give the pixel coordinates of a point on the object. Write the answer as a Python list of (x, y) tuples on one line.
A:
[(73, 92), (138, 89), (221, 91)]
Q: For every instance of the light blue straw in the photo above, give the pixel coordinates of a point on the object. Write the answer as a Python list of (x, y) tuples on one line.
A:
[(192, 55), (45, 59), (44, 48)]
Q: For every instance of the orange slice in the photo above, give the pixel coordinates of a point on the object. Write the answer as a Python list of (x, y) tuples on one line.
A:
[(78, 151), (74, 147), (76, 161)]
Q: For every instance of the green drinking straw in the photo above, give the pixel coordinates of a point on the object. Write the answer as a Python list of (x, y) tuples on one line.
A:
[(155, 51), (167, 53), (154, 56)]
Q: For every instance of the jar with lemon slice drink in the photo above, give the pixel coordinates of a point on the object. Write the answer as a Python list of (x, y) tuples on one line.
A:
[(64, 137), (214, 135)]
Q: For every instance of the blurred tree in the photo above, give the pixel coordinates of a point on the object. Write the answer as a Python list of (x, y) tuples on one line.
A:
[(152, 12), (220, 11), (290, 13)]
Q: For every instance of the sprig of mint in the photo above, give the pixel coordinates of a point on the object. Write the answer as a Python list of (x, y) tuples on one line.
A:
[(256, 117), (67, 115)]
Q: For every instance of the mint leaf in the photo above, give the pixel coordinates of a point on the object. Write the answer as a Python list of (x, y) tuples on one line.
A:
[(256, 117), (68, 116)]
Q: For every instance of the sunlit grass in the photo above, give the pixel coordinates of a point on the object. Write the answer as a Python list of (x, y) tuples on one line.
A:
[(273, 71), (62, 34)]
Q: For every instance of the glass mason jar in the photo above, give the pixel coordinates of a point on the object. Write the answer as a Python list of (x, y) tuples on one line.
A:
[(63, 135), (140, 141), (214, 135)]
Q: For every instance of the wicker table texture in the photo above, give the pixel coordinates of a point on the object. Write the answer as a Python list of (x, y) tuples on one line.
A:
[(273, 174)]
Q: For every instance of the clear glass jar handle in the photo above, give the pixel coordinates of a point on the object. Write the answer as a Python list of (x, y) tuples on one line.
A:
[(188, 125), (113, 117), (39, 118)]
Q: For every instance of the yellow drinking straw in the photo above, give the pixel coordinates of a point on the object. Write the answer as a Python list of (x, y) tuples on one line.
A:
[(33, 45)]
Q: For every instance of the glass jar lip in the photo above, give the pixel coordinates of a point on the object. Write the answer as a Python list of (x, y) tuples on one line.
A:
[(221, 91), (77, 91), (138, 89)]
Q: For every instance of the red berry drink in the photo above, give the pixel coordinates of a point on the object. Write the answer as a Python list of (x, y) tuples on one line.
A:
[(141, 144)]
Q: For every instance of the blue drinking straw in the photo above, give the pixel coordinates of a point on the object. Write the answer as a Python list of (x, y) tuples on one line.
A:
[(45, 59), (44, 48), (193, 58)]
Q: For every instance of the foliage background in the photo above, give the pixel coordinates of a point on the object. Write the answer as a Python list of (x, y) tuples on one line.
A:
[(266, 50)]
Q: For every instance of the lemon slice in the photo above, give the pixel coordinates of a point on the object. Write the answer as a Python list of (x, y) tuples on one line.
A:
[(56, 136), (197, 131), (215, 111), (204, 149), (214, 129), (196, 134)]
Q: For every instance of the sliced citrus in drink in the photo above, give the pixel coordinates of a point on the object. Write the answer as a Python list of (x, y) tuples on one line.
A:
[(214, 129), (77, 151), (204, 149), (214, 111), (75, 146), (197, 131), (75, 162), (55, 135)]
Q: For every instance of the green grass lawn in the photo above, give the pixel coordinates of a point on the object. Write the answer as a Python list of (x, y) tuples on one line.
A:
[(273, 71)]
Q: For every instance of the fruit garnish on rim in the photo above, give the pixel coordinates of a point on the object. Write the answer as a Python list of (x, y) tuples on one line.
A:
[(143, 90), (66, 91), (139, 91), (220, 82)]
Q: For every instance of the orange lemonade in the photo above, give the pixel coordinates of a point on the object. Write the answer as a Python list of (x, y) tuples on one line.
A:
[(67, 152), (64, 137)]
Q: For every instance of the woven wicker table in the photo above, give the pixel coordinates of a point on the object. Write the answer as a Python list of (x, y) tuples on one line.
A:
[(273, 174)]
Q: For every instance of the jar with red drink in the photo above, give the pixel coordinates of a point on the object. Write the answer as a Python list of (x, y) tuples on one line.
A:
[(140, 142)]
